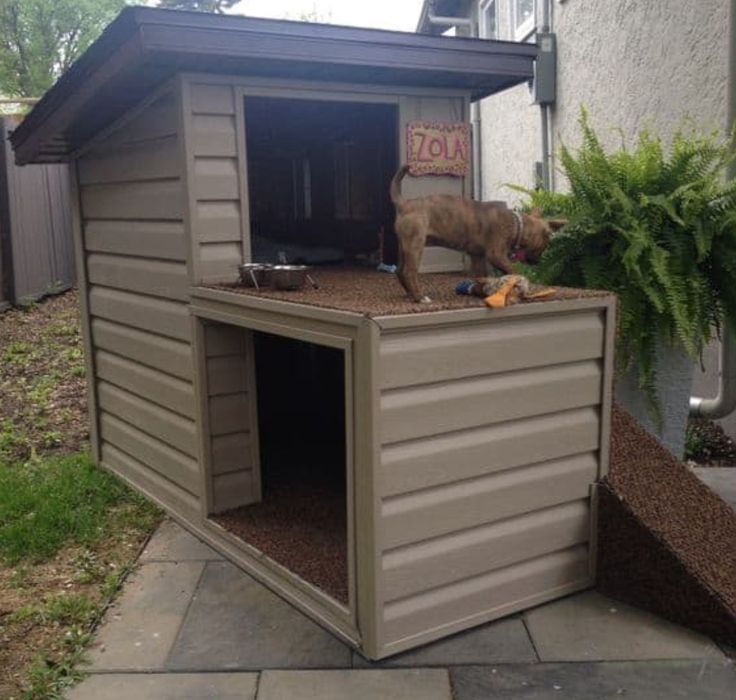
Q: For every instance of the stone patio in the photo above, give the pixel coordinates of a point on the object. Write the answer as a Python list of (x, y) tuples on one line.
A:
[(189, 624)]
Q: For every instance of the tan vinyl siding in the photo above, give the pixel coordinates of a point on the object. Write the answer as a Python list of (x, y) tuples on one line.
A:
[(511, 587), (489, 444), (132, 208), (214, 176), (233, 436)]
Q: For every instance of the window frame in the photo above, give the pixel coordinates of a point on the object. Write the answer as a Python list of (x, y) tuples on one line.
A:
[(484, 7), (524, 31)]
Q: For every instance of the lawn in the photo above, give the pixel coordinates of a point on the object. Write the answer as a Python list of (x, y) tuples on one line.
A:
[(69, 532)]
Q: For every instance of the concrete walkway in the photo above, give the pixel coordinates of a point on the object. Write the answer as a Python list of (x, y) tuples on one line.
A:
[(191, 625)]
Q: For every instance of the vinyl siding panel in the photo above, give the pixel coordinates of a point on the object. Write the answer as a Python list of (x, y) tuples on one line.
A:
[(232, 444), (165, 354), (478, 596), (218, 217), (133, 220), (150, 239), (431, 356), (158, 456), (489, 438), (470, 552), (159, 278), (153, 200), (173, 429)]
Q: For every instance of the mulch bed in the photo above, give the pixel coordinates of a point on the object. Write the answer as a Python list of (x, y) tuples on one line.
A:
[(667, 543), (302, 527), (371, 293)]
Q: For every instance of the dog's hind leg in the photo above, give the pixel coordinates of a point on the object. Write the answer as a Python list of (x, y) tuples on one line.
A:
[(411, 244)]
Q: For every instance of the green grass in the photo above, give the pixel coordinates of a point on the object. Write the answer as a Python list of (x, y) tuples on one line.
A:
[(47, 504)]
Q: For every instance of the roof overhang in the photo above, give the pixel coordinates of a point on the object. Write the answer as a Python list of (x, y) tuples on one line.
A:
[(442, 8), (143, 47)]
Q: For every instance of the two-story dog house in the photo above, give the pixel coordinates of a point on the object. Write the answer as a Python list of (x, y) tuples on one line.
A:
[(396, 472)]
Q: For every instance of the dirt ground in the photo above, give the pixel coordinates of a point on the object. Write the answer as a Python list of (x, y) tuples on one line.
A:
[(42, 382)]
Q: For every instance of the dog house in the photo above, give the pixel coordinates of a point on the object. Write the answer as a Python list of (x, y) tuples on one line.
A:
[(396, 471)]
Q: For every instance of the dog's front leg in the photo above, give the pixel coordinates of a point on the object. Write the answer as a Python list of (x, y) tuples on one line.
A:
[(502, 262), (478, 265)]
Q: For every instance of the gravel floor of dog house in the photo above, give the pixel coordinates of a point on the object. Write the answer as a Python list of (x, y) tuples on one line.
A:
[(302, 527), (372, 293), (666, 542)]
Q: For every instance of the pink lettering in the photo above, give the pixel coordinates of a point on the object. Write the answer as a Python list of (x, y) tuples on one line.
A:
[(437, 147)]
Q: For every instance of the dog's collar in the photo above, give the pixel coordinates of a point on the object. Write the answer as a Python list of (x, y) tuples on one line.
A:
[(519, 229)]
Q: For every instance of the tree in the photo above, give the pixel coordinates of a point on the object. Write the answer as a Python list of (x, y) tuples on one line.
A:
[(218, 6), (40, 39)]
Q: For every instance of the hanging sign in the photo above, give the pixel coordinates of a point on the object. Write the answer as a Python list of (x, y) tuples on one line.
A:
[(438, 148)]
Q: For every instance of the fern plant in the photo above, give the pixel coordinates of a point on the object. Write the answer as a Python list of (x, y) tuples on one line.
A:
[(656, 225)]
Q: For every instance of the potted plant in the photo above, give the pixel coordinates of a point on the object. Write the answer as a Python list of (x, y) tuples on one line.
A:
[(656, 225)]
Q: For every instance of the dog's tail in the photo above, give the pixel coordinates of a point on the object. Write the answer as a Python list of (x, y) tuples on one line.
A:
[(396, 197)]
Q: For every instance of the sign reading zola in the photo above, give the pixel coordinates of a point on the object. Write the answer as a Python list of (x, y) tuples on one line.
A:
[(438, 148)]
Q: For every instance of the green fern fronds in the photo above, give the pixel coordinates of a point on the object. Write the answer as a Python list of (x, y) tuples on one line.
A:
[(656, 224)]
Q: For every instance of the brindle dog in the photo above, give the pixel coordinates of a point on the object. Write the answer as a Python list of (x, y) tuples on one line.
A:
[(486, 232)]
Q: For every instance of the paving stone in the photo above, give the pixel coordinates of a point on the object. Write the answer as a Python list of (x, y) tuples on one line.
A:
[(171, 542), (403, 684), (591, 627), (236, 623), (140, 629), (167, 686), (655, 680), (722, 480), (497, 642)]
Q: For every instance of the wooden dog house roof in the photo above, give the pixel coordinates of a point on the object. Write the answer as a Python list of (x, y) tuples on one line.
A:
[(144, 46)]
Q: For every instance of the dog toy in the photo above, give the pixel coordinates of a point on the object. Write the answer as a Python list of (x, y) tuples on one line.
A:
[(499, 292)]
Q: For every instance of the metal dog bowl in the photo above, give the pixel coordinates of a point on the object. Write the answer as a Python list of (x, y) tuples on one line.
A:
[(290, 277), (255, 274)]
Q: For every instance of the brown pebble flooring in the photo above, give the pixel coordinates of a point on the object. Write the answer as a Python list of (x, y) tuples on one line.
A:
[(302, 527), (666, 541), (371, 293)]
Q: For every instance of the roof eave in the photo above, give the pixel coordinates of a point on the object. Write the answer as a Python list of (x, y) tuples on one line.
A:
[(143, 47)]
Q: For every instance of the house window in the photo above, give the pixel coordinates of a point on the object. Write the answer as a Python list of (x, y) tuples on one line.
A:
[(489, 20), (523, 18)]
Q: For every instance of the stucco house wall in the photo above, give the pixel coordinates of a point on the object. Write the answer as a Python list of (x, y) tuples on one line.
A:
[(633, 64)]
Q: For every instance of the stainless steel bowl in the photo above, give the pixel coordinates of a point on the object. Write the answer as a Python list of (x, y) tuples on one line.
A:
[(255, 274), (289, 277)]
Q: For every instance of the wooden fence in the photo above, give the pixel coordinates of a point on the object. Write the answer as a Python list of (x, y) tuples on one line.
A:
[(36, 247)]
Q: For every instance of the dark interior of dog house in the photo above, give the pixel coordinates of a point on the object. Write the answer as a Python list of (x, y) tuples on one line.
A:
[(301, 521), (318, 174)]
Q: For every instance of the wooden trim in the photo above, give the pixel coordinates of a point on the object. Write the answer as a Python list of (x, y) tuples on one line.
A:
[(350, 461), (202, 421), (241, 143), (609, 357), (252, 392), (286, 327), (284, 308), (83, 286), (368, 489), (309, 600), (451, 317), (593, 532), (184, 98), (267, 87)]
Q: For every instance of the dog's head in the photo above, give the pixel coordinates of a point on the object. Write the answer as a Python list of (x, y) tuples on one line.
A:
[(538, 233)]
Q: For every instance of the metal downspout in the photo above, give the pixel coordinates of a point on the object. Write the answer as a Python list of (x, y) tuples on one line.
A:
[(725, 402), (544, 110)]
